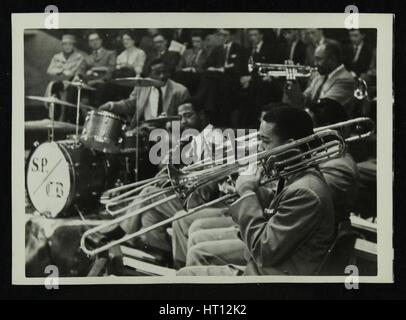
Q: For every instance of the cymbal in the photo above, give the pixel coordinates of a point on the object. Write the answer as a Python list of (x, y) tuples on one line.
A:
[(51, 99), (55, 100), (79, 84), (160, 120), (45, 124), (137, 82)]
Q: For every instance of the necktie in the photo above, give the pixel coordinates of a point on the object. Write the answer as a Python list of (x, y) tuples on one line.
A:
[(318, 92), (160, 102), (354, 56), (227, 51)]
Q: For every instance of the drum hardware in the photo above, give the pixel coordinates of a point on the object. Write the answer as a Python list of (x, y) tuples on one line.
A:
[(103, 131), (137, 82), (53, 99), (79, 84), (160, 120), (63, 174)]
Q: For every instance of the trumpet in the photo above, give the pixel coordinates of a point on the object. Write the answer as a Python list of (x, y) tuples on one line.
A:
[(279, 70), (278, 163)]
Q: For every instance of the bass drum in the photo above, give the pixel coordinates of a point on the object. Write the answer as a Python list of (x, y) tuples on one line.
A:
[(61, 174)]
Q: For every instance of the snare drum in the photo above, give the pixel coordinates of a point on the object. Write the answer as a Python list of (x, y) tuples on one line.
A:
[(103, 131), (129, 144), (61, 174)]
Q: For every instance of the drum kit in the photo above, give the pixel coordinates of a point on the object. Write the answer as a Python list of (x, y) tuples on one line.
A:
[(72, 173)]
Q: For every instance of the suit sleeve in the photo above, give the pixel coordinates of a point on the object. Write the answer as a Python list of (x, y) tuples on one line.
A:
[(342, 91), (182, 96), (272, 240), (182, 62), (126, 107), (296, 97)]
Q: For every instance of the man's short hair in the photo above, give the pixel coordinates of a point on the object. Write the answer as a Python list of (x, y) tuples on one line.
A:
[(327, 111), (290, 122), (160, 35), (195, 103), (361, 31), (196, 33), (257, 29), (231, 31), (68, 36), (93, 32)]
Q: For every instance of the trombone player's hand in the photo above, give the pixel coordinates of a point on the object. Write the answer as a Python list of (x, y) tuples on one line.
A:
[(248, 180)]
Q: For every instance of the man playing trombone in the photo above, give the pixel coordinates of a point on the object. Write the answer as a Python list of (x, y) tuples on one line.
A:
[(290, 235), (192, 117), (214, 241)]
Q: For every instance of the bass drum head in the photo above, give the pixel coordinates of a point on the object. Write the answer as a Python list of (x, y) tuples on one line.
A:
[(48, 179)]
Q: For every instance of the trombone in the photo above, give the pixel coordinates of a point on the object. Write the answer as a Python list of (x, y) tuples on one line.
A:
[(115, 199), (277, 163), (131, 192)]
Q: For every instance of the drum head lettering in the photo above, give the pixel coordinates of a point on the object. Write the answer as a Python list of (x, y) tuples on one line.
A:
[(48, 179)]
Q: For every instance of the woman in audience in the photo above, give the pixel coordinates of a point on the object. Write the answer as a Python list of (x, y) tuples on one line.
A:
[(131, 60)]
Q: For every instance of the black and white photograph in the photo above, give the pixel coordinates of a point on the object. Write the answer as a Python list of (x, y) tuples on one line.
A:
[(202, 148)]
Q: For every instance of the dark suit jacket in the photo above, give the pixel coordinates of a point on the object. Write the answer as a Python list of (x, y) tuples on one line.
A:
[(266, 54), (364, 59), (217, 58), (343, 179), (175, 95), (188, 60), (170, 58), (106, 58), (293, 235), (299, 53), (339, 87)]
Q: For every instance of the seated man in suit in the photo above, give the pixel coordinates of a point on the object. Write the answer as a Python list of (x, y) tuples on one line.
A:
[(193, 117), (170, 58), (97, 68), (220, 86), (296, 50), (290, 232), (341, 174), (315, 38), (144, 102), (258, 90), (192, 63), (214, 241), (358, 53), (334, 81), (64, 66)]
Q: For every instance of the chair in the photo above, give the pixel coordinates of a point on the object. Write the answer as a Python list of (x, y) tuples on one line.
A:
[(340, 253)]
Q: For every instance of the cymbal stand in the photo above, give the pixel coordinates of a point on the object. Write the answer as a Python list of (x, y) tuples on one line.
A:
[(79, 87), (52, 115)]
